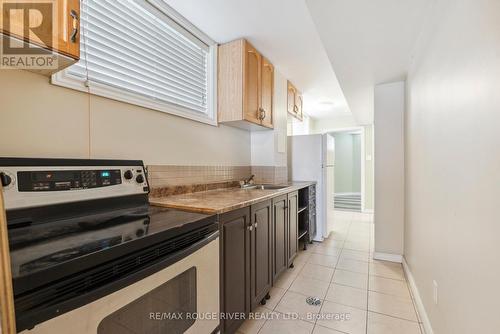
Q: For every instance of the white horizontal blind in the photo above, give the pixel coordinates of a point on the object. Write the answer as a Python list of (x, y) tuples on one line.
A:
[(132, 47)]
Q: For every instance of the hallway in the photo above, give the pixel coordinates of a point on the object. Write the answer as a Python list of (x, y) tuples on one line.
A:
[(366, 296), (348, 202)]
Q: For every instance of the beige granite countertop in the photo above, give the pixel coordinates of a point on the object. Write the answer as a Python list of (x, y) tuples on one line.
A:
[(223, 200)]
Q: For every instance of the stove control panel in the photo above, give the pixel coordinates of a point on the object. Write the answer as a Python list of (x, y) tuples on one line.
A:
[(31, 185), (54, 180)]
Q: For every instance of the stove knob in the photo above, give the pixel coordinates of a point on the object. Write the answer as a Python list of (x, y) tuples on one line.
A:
[(128, 175), (139, 179), (5, 179)]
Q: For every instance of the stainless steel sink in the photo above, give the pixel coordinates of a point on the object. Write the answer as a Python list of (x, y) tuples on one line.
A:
[(265, 187)]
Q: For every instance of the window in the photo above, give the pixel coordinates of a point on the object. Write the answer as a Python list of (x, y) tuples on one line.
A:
[(142, 52)]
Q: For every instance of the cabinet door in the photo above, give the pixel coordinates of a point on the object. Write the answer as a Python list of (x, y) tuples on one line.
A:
[(293, 205), (68, 37), (267, 93), (260, 252), (235, 266), (56, 37), (298, 105), (280, 259), (252, 84), (291, 98)]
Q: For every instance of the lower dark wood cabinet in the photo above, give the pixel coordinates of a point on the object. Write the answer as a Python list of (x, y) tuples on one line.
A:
[(235, 266), (258, 243), (280, 236), (260, 252), (293, 243)]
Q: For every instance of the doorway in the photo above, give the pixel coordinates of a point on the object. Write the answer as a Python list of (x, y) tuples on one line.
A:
[(349, 167)]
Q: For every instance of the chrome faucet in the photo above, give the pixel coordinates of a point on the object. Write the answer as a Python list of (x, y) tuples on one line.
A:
[(246, 182)]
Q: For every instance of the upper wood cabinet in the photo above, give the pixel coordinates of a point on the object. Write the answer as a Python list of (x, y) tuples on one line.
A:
[(267, 92), (245, 86), (68, 40), (295, 101), (60, 38), (252, 85)]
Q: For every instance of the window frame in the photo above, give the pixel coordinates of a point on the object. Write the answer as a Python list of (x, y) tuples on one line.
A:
[(183, 26)]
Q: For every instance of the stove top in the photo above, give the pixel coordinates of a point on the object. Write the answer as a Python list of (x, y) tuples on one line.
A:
[(39, 247)]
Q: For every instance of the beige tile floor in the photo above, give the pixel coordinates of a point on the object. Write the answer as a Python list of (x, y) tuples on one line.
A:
[(358, 295)]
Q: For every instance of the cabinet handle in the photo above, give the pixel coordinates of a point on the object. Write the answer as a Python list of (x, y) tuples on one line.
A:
[(255, 225), (74, 15), (262, 113), (250, 228)]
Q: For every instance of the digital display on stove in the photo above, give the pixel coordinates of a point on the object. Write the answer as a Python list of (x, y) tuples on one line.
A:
[(54, 176), (30, 181)]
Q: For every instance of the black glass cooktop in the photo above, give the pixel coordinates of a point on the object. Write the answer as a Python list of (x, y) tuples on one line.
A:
[(38, 248)]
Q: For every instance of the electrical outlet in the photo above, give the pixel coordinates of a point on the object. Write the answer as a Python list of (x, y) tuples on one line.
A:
[(435, 292)]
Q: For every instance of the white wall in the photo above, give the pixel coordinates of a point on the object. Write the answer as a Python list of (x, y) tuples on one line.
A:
[(389, 168), (336, 122), (347, 162), (299, 128), (356, 163), (452, 232), (42, 120), (369, 157)]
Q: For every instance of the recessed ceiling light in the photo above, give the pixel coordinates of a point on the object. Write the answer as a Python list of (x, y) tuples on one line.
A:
[(325, 105)]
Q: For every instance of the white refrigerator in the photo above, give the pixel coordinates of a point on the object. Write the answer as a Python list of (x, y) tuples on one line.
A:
[(312, 158)]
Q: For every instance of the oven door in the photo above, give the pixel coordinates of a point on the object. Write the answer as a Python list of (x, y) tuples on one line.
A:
[(181, 298)]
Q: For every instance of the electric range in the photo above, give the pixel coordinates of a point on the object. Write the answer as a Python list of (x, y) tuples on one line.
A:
[(82, 233)]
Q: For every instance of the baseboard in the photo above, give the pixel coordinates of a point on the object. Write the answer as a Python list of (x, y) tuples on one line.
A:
[(418, 301), (388, 257)]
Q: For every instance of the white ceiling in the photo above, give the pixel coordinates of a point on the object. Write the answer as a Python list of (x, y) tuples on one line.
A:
[(282, 31), (368, 42)]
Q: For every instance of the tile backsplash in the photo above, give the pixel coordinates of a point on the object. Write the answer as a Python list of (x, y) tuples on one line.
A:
[(166, 180), (270, 174)]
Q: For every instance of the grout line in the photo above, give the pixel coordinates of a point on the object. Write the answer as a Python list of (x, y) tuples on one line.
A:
[(388, 294), (393, 316)]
